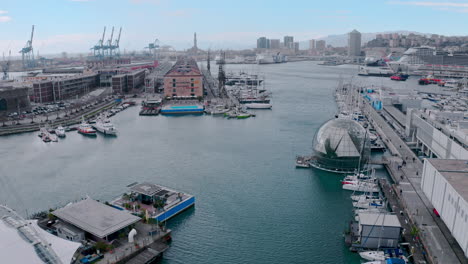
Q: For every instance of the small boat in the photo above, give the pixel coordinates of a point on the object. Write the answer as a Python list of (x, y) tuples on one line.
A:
[(350, 179), (302, 162), (243, 115), (359, 186), (377, 203), (104, 126), (60, 131), (388, 261), (372, 255), (258, 106), (219, 110), (397, 78), (363, 197), (86, 129), (46, 136)]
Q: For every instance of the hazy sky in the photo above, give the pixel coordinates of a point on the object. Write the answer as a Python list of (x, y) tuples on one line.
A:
[(76, 25)]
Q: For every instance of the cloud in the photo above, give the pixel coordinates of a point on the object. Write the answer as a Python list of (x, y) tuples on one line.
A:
[(80, 0), (429, 4), (2, 12), (4, 19)]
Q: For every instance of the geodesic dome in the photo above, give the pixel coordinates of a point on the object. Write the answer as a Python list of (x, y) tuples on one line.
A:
[(338, 145)]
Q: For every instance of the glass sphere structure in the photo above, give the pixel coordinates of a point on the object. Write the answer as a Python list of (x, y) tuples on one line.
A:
[(341, 145)]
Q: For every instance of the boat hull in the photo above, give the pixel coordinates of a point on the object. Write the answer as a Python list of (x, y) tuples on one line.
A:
[(89, 134), (106, 132), (258, 106)]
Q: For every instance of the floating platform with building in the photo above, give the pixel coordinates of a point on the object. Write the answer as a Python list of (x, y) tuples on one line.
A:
[(160, 203), (182, 109)]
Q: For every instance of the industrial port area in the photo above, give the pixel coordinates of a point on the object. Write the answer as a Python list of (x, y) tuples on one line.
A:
[(295, 151)]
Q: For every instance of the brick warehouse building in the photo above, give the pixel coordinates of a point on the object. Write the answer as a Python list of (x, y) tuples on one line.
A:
[(184, 80)]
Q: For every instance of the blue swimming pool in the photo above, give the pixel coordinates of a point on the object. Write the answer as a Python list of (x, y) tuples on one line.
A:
[(186, 107)]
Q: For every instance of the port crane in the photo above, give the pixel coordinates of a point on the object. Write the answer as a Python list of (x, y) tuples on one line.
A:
[(27, 53), (109, 48), (6, 66), (153, 48), (98, 48), (115, 47)]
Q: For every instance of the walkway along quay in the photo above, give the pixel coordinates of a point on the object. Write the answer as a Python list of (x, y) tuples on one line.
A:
[(435, 238), (64, 121)]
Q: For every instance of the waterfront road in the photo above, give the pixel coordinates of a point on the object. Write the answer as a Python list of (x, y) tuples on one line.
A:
[(442, 247)]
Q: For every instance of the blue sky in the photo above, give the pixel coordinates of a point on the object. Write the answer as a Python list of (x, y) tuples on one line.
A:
[(76, 25)]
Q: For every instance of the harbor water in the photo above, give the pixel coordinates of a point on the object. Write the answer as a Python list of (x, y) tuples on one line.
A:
[(253, 205)]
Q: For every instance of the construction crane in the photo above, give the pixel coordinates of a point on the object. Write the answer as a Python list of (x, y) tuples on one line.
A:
[(6, 66), (27, 53)]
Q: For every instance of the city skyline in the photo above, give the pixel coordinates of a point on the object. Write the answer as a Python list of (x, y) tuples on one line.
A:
[(76, 25)]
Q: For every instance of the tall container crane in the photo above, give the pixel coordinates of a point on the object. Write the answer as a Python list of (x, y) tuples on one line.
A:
[(27, 53), (114, 47), (97, 49), (108, 46)]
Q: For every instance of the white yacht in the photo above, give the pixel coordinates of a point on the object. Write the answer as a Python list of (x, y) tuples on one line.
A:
[(376, 203), (258, 106), (372, 255), (104, 126), (60, 131), (359, 186)]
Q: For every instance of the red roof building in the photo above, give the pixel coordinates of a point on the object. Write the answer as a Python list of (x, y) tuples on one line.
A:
[(184, 80)]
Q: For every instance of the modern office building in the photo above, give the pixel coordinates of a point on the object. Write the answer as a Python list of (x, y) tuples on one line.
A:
[(296, 46), (320, 45), (312, 44), (127, 82), (445, 184), (184, 80), (64, 88), (275, 44), (354, 43), (263, 43), (289, 42)]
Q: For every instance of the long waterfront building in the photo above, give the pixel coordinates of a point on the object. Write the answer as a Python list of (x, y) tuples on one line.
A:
[(445, 184), (64, 88)]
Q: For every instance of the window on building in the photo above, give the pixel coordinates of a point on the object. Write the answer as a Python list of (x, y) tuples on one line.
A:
[(192, 84), (192, 90), (192, 94), (174, 95), (173, 80), (173, 90), (173, 84)]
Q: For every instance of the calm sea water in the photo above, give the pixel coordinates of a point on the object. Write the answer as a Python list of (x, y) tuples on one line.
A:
[(253, 206)]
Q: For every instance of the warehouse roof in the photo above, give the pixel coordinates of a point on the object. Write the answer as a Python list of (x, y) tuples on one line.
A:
[(95, 218), (455, 172), (184, 67), (379, 219)]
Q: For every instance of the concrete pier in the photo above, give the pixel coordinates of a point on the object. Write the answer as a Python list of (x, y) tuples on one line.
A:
[(435, 237)]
